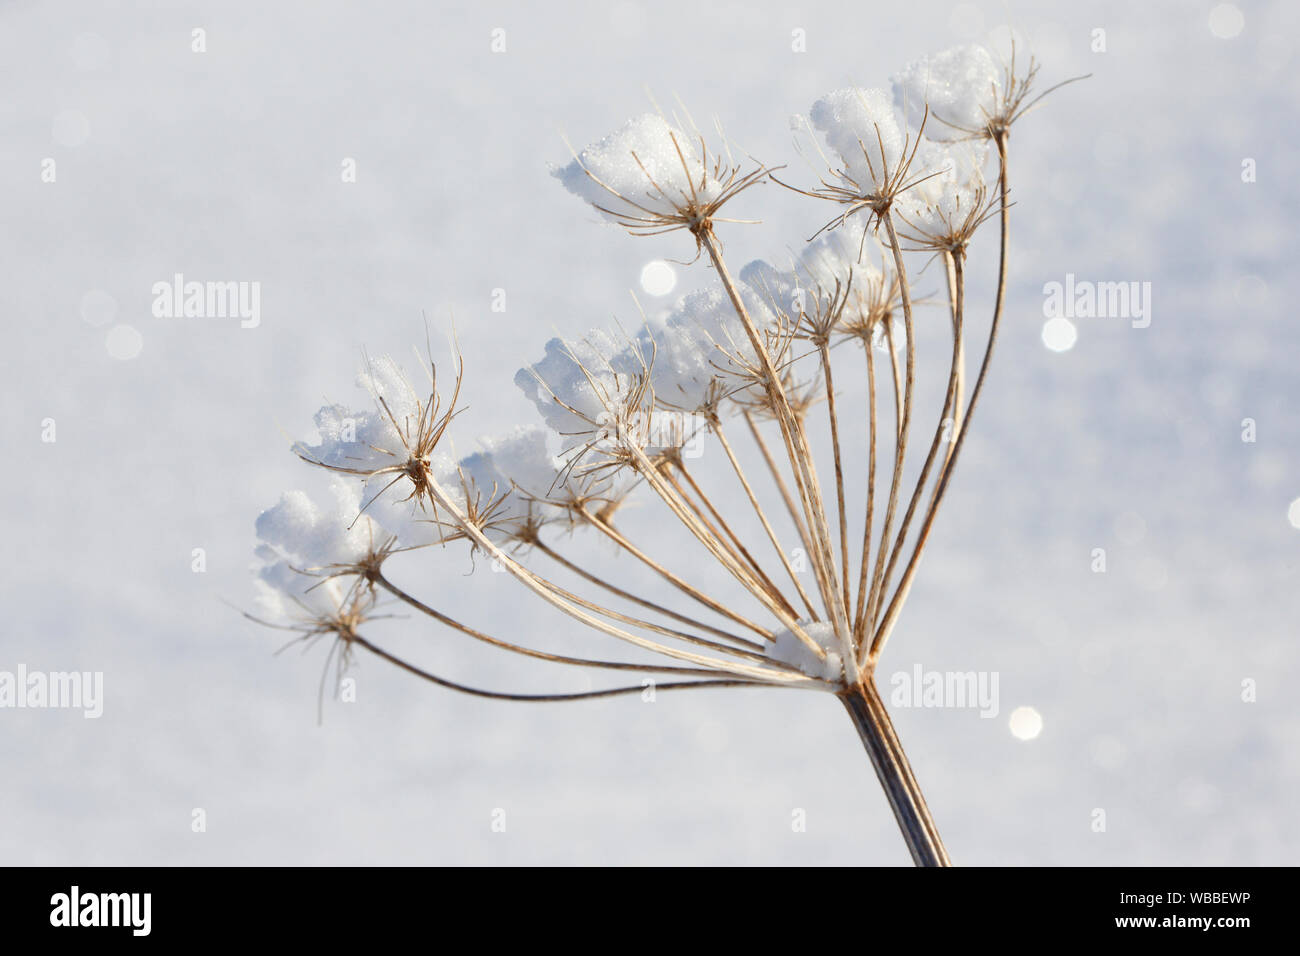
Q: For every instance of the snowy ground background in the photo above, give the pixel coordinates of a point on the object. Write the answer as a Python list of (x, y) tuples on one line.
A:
[(226, 165)]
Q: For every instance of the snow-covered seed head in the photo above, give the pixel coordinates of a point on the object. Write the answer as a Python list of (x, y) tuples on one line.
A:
[(396, 443), (971, 92), (873, 152), (309, 600), (710, 405), (650, 177), (802, 393), (602, 403), (577, 383), (873, 315), (747, 374), (703, 341), (861, 126), (962, 87), (942, 213), (320, 566), (949, 227), (329, 611), (482, 507)]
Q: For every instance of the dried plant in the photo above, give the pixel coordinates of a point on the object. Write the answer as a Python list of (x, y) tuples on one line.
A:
[(764, 348)]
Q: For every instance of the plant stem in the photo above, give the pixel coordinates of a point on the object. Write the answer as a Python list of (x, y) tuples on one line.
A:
[(801, 460), (762, 517), (824, 350), (393, 589), (560, 559), (858, 620), (607, 529), (946, 472), (780, 483), (721, 522), (950, 398), (959, 343), (875, 728), (900, 448)]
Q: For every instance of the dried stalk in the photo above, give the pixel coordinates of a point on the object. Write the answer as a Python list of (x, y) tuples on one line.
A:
[(680, 583), (800, 458), (843, 656), (824, 352), (739, 548), (762, 517), (871, 719), (904, 586), (595, 579), (865, 563)]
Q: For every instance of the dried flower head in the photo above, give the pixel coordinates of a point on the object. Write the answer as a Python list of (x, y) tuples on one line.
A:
[(650, 177), (812, 559)]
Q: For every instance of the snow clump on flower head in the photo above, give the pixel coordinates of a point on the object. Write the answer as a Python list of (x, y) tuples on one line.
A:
[(943, 210), (314, 536), (642, 172), (836, 257), (577, 385), (385, 436), (862, 127), (302, 543), (837, 282), (962, 86), (516, 473), (284, 596)]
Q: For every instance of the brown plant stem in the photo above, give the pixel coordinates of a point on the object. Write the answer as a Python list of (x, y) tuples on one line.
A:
[(959, 343), (544, 590), (950, 398), (738, 546), (780, 482), (905, 421), (681, 584), (871, 492), (762, 517), (715, 546), (540, 698), (941, 485), (824, 350), (800, 460), (383, 582), (876, 730), (629, 596)]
